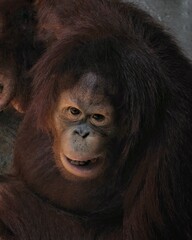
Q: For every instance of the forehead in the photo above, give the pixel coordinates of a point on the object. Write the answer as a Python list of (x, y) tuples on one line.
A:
[(90, 89), (88, 85)]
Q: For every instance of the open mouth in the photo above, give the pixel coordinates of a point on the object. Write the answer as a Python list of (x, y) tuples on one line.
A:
[(85, 168), (82, 163)]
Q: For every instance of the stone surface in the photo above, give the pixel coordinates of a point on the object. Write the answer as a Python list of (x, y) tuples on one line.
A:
[(176, 15)]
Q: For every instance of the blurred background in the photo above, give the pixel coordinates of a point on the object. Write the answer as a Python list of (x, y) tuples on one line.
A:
[(176, 15)]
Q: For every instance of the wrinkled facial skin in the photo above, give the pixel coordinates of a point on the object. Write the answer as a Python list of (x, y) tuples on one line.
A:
[(7, 87), (84, 129)]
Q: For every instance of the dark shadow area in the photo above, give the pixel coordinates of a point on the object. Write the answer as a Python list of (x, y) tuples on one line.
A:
[(9, 124)]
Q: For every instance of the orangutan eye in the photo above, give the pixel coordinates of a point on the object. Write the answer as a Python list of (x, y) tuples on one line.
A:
[(74, 111), (71, 114), (98, 117)]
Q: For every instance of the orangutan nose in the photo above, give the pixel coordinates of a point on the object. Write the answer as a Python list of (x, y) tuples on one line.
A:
[(82, 130)]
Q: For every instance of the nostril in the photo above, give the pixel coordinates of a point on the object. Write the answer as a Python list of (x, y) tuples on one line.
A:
[(85, 135), (81, 133)]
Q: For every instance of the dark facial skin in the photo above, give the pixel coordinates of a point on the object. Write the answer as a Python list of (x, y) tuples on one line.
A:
[(84, 126)]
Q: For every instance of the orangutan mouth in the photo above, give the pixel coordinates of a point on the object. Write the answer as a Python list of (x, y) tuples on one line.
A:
[(82, 163)]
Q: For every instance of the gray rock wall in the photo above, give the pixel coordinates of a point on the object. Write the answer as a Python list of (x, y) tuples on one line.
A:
[(176, 15)]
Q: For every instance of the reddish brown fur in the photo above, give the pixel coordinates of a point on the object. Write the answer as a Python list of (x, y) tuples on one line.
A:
[(150, 196)]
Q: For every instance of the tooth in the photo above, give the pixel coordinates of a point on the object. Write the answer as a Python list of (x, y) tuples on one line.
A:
[(78, 163), (82, 163), (74, 162)]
